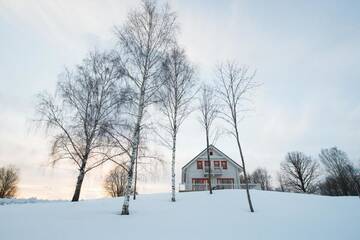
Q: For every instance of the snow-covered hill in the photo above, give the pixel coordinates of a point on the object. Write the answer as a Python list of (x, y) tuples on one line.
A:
[(197, 215)]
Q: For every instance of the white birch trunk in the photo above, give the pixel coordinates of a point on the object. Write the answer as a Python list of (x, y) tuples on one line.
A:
[(175, 129), (173, 169), (134, 152)]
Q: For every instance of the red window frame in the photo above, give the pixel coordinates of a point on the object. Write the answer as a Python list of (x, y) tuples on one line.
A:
[(206, 163), (216, 164), (199, 165), (199, 180), (199, 184), (225, 183), (224, 164), (225, 180)]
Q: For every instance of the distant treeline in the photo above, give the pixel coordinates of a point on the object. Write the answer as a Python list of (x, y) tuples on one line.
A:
[(334, 174)]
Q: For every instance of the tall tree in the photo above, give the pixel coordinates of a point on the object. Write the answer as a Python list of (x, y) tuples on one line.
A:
[(9, 179), (234, 86), (175, 97), (209, 112), (300, 172), (344, 178), (84, 104), (143, 43), (280, 179)]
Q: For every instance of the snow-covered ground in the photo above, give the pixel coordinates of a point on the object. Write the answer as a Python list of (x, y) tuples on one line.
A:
[(5, 201), (197, 215)]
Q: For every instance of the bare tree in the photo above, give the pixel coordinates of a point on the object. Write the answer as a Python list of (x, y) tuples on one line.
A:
[(280, 179), (115, 182), (143, 43), (330, 186), (300, 172), (234, 85), (262, 177), (175, 97), (344, 177), (8, 182), (354, 174), (85, 102), (209, 112)]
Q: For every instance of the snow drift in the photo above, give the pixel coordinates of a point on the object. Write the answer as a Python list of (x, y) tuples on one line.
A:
[(195, 215)]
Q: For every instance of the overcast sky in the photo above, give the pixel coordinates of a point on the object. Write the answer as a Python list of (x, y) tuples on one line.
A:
[(306, 53)]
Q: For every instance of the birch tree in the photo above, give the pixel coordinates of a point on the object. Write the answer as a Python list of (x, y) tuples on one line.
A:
[(143, 43), (84, 104), (209, 112), (175, 97), (234, 85)]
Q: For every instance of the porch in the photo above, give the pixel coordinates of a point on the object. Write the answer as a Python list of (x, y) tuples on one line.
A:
[(205, 186)]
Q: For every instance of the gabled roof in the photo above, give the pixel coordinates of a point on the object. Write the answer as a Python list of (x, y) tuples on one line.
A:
[(211, 146)]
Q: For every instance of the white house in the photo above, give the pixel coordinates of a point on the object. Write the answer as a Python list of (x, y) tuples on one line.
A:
[(225, 172)]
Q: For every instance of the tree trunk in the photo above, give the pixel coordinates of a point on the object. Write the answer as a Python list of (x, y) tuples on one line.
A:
[(282, 187), (125, 207), (302, 185), (134, 152), (244, 169), (136, 173), (79, 182), (173, 169), (208, 159)]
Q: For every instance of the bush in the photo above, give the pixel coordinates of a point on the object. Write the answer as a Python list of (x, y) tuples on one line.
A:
[(8, 182), (115, 182)]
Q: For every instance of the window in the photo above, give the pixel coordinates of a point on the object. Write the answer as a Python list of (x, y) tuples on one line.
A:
[(211, 152), (216, 164), (199, 165), (206, 163), (200, 180), (225, 183), (224, 164)]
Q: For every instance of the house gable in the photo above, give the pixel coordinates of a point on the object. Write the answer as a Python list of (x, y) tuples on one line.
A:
[(216, 154)]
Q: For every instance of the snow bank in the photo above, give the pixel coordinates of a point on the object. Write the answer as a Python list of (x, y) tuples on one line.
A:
[(5, 201), (198, 215)]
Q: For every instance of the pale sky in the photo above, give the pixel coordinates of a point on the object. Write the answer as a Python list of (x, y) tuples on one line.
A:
[(306, 54)]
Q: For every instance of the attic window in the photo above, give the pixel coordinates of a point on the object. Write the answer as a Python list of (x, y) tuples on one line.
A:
[(211, 152)]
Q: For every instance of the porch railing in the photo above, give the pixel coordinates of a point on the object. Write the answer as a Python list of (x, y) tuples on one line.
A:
[(205, 186)]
